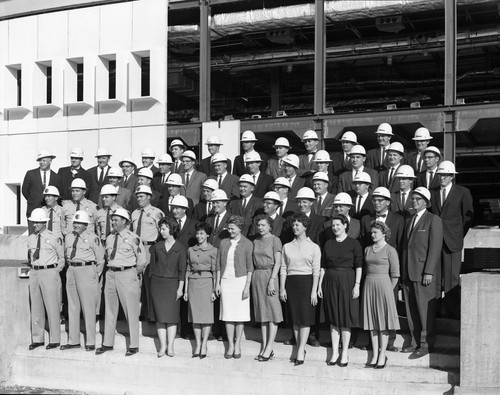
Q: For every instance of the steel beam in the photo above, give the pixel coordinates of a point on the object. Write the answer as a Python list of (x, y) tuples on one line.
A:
[(205, 61), (450, 76), (319, 57)]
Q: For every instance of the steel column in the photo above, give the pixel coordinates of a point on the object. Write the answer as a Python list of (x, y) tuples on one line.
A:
[(205, 61), (319, 57), (450, 76), (275, 90)]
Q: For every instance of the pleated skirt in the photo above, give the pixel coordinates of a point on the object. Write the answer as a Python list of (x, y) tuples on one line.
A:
[(341, 309), (266, 308), (378, 305), (298, 290), (201, 307), (163, 293)]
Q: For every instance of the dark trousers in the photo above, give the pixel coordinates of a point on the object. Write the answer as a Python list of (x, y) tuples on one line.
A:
[(451, 263)]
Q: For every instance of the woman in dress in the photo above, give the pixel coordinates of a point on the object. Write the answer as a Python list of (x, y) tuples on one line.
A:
[(199, 288), (299, 281), (378, 304), (234, 275), (339, 287), (267, 263), (167, 270)]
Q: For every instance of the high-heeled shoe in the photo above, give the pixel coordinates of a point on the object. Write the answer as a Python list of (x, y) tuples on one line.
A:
[(381, 366), (203, 356), (370, 365), (343, 364), (195, 355), (265, 359), (160, 354), (333, 363), (258, 357), (301, 361)]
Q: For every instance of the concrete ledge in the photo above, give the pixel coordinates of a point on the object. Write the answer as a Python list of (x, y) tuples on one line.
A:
[(13, 247)]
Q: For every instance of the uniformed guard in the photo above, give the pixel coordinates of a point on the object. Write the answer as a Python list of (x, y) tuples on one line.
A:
[(78, 202), (108, 196), (46, 259), (85, 257), (53, 210), (126, 260)]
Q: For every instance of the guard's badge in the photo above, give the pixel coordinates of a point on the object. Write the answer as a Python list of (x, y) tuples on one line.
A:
[(148, 215), (77, 216)]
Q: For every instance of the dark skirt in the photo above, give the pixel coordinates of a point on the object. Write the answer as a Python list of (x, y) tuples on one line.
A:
[(298, 290), (341, 309), (163, 293)]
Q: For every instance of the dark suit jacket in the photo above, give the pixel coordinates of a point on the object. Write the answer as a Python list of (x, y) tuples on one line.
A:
[(131, 184), (193, 189), (396, 207), (264, 184), (96, 185), (411, 160), (253, 207), (32, 188), (298, 183), (240, 168), (394, 221), (290, 209), (338, 163), (314, 232), (345, 180), (383, 180), (230, 185), (180, 170), (305, 165), (164, 206), (366, 208), (326, 208), (220, 232), (207, 167), (200, 212), (278, 225), (373, 159), (273, 168), (456, 215), (156, 184), (353, 231), (421, 180), (65, 178), (421, 252), (187, 233)]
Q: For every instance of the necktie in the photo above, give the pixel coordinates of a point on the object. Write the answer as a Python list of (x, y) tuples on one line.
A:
[(125, 180), (419, 165), (51, 219), (391, 174), (176, 167), (180, 224), (209, 207), (163, 179), (220, 181), (107, 230), (217, 221), (73, 250), (280, 163), (357, 171), (280, 212), (346, 158), (443, 196), (318, 205), (77, 206), (36, 254), (412, 226), (139, 224), (101, 176), (115, 246), (431, 175), (44, 179), (244, 203), (382, 156), (254, 179), (403, 199), (358, 207), (187, 179), (170, 203)]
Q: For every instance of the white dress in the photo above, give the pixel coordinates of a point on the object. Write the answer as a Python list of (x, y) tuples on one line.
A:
[(232, 307)]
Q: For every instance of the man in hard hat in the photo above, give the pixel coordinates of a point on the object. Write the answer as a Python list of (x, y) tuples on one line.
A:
[(123, 194), (78, 202), (129, 179), (54, 211), (85, 257), (395, 156), (263, 182), (225, 180), (177, 148), (324, 165), (126, 260), (219, 218), (248, 141), (248, 205), (36, 180), (288, 205), (324, 200), (311, 144), (376, 158), (204, 208), (148, 159), (342, 206), (453, 204), (99, 174), (420, 272), (358, 158), (144, 177), (46, 259), (428, 178), (422, 139), (66, 175), (361, 196), (191, 178), (213, 144), (401, 202), (275, 165), (291, 166), (174, 187), (341, 161), (103, 223), (165, 163)]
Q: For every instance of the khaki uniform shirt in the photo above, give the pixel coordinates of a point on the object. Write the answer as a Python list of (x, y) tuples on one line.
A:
[(88, 248), (69, 209), (101, 221), (129, 250), (51, 249), (58, 220), (149, 222)]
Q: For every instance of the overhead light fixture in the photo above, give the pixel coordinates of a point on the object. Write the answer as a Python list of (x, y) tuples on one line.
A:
[(392, 106), (390, 24), (461, 101), (281, 113), (256, 116), (415, 104), (281, 36), (228, 118)]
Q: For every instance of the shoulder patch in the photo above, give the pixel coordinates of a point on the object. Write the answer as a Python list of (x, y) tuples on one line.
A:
[(59, 241), (137, 241)]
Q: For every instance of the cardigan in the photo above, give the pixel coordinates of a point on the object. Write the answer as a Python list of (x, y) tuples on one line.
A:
[(243, 262)]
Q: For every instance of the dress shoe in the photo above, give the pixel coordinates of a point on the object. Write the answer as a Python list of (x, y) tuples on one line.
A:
[(103, 349), (290, 342), (203, 356), (237, 356), (343, 364), (50, 346), (69, 346), (300, 361), (392, 348), (132, 351), (228, 356), (381, 366), (409, 349), (90, 348), (313, 342), (262, 358), (419, 353), (331, 363), (35, 345), (160, 354)]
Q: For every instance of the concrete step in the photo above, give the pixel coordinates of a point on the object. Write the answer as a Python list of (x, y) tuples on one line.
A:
[(145, 373)]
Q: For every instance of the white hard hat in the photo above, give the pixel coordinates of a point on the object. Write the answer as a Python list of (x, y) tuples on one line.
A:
[(102, 152), (384, 128), (322, 156), (76, 153), (115, 172), (44, 153), (424, 192), (292, 160), (129, 160), (282, 142), (165, 158), (363, 177), (143, 189), (272, 196), (219, 195), (78, 183), (305, 193), (422, 134), (343, 199), (174, 179), (405, 171), (253, 157), (211, 184), (247, 178), (433, 149), (218, 157), (51, 190), (349, 136), (108, 189), (177, 143), (180, 201), (397, 147), (189, 154), (145, 172), (446, 167), (38, 215), (320, 176), (121, 212), (81, 216), (148, 153), (214, 140), (282, 181), (248, 135), (357, 150), (310, 135), (382, 192)]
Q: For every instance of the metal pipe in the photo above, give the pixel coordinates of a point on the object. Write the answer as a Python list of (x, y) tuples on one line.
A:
[(205, 61)]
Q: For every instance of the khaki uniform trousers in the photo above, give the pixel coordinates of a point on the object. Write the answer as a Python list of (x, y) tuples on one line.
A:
[(45, 295), (122, 287), (81, 287)]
